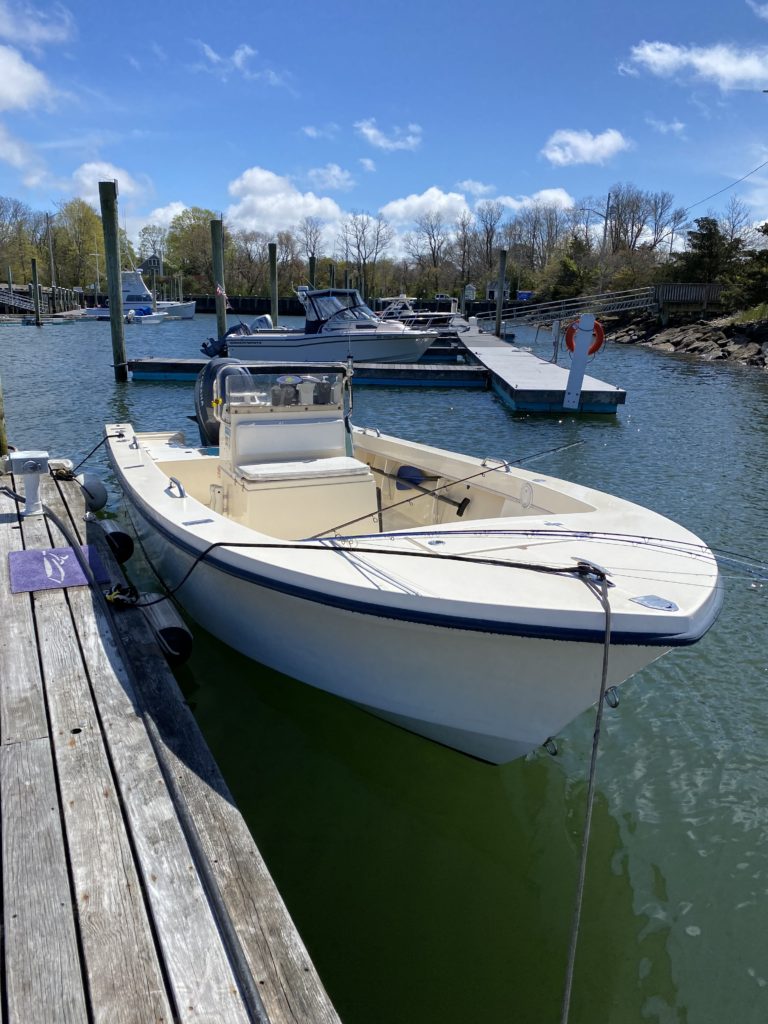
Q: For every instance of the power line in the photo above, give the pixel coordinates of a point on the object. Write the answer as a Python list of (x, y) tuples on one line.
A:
[(720, 191)]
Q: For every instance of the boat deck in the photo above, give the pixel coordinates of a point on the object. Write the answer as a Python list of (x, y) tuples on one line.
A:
[(529, 384), (132, 889)]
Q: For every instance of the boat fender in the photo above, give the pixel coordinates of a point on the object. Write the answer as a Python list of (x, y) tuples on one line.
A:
[(173, 636), (598, 334), (94, 491), (119, 540)]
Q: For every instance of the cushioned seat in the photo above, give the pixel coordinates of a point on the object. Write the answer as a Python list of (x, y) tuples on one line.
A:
[(303, 469)]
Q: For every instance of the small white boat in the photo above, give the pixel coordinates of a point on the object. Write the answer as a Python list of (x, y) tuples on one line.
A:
[(137, 297), (338, 326), (138, 317), (401, 307), (454, 596)]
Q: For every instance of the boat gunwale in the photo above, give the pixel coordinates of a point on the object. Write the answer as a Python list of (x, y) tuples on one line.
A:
[(193, 545)]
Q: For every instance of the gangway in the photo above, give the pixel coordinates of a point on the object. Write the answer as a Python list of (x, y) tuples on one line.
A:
[(569, 309), (11, 298)]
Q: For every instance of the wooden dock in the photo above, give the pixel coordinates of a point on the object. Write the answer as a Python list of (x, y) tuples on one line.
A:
[(527, 383), (411, 374), (132, 889)]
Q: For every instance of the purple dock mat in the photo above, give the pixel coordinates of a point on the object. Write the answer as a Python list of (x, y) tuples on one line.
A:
[(51, 568)]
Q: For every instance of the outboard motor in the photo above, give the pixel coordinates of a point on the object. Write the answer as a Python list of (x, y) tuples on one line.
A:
[(218, 346), (204, 395)]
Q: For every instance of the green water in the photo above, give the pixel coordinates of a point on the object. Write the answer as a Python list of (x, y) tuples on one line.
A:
[(430, 887)]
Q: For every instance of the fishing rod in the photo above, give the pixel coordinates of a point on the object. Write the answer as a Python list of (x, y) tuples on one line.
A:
[(426, 492)]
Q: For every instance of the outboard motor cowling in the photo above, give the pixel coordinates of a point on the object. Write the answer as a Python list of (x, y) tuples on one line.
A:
[(207, 422), (214, 347)]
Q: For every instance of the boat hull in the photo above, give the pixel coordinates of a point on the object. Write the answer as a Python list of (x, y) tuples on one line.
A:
[(363, 346), (490, 695)]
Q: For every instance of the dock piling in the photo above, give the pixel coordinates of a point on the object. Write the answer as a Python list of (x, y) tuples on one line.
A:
[(36, 293), (273, 281), (217, 245), (111, 225), (500, 289)]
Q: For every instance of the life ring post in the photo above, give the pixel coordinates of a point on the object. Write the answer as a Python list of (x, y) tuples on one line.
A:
[(582, 338)]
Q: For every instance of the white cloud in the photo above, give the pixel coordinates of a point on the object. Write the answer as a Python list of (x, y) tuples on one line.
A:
[(331, 177), (28, 26), (21, 85), (237, 63), (14, 151), (666, 127), (544, 197), (326, 131), (268, 202), (404, 211), (401, 138), (86, 178), (163, 215), (367, 164), (568, 146), (475, 188), (725, 65), (761, 10)]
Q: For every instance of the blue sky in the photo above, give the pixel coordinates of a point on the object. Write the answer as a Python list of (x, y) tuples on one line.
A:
[(271, 111)]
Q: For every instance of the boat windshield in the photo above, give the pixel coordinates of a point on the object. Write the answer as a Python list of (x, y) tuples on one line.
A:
[(271, 390), (340, 304)]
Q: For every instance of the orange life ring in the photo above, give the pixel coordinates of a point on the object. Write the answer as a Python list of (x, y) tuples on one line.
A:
[(597, 333)]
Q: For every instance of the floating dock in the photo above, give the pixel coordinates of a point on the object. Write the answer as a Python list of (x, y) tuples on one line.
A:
[(527, 383), (452, 375), (132, 889), (521, 379)]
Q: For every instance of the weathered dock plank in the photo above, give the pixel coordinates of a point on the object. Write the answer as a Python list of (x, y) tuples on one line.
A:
[(42, 967), (22, 711), (123, 971), (132, 889), (196, 965)]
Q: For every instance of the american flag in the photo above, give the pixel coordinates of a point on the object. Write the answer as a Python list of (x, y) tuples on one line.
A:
[(220, 291)]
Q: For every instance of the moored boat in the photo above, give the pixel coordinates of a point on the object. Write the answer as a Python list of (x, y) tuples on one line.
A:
[(338, 325), (137, 297), (460, 598)]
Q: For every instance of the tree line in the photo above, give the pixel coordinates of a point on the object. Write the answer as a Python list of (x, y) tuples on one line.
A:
[(626, 239)]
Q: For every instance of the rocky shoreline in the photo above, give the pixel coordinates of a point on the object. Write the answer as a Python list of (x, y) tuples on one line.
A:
[(718, 339)]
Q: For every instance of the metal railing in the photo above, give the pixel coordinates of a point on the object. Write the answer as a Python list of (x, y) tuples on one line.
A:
[(570, 309), (12, 298)]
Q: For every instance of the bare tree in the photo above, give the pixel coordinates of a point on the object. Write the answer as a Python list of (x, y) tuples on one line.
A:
[(489, 214), (628, 215), (309, 235), (736, 222), (363, 239)]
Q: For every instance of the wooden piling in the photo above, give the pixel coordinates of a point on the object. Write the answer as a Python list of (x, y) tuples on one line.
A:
[(217, 244), (36, 293), (331, 275), (312, 270), (500, 289), (111, 225), (3, 438), (273, 280), (54, 289)]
